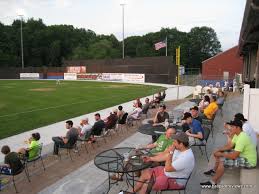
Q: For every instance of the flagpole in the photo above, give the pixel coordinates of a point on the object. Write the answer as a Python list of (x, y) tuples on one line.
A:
[(166, 46)]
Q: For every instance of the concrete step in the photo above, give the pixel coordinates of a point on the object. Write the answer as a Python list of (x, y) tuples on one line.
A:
[(249, 179)]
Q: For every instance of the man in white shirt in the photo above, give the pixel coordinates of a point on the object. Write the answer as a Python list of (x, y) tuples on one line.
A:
[(179, 162), (135, 114), (84, 128), (247, 128)]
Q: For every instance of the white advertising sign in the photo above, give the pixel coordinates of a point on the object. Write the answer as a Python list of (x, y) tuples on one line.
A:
[(70, 76), (133, 77), (112, 76), (29, 76)]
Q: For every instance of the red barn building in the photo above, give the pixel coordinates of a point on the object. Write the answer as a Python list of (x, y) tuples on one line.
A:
[(223, 65)]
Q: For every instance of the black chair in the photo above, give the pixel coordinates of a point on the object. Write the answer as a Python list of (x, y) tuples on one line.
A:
[(13, 174), (145, 111), (205, 141), (180, 189), (84, 140), (123, 122), (149, 186), (72, 145), (37, 157), (221, 109), (209, 123)]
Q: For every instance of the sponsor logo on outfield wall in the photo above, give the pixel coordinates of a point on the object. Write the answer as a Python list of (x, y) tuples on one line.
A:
[(76, 69), (70, 76), (89, 76), (29, 76)]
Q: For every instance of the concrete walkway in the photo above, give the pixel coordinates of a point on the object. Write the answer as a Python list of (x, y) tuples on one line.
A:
[(17, 141)]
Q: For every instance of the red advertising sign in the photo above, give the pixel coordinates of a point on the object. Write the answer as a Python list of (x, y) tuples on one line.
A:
[(76, 69), (89, 76)]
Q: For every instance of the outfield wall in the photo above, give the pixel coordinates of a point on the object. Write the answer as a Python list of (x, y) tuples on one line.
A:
[(156, 69)]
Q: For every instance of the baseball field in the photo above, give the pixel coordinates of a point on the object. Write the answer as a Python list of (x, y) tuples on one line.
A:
[(29, 104)]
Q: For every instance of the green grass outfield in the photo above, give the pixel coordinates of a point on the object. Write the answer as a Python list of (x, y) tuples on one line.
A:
[(29, 104)]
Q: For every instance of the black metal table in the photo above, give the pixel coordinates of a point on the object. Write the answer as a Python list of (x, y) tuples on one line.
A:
[(196, 101), (149, 129), (113, 161)]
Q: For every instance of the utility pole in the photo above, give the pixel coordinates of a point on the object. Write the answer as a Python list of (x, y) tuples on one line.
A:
[(22, 42), (122, 5)]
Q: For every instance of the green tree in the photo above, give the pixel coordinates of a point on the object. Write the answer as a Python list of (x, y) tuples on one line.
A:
[(203, 45)]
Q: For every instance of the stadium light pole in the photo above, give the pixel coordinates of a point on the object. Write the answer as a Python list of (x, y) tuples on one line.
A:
[(21, 16), (122, 6)]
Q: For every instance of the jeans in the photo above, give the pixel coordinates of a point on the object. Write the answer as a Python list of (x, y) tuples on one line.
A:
[(58, 142)]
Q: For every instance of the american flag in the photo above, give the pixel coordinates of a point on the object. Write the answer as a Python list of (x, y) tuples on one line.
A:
[(160, 45)]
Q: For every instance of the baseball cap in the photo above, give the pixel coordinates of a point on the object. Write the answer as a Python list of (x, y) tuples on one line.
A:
[(236, 123), (181, 136), (240, 117), (163, 106), (186, 115), (194, 108)]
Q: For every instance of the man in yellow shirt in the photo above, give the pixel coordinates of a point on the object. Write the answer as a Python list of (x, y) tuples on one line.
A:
[(211, 109)]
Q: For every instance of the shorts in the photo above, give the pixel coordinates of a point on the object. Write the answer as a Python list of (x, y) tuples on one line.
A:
[(238, 162), (163, 182), (195, 141), (5, 170)]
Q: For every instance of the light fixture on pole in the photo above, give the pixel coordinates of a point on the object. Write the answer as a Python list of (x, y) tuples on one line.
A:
[(122, 5), (22, 42)]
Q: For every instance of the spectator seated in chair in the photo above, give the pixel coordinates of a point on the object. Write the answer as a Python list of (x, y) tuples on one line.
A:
[(238, 152), (179, 163), (97, 128), (146, 106), (221, 98), (84, 129), (158, 98), (111, 120), (195, 113), (163, 142), (67, 141), (33, 148), (160, 116), (247, 128), (204, 103), (161, 145), (163, 95), (12, 162), (138, 102), (211, 110), (196, 132), (120, 112), (135, 115)]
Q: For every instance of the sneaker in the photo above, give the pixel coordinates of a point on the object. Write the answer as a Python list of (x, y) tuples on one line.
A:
[(207, 184), (116, 177), (210, 172)]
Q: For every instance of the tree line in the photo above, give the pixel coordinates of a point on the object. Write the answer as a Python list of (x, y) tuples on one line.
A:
[(50, 45)]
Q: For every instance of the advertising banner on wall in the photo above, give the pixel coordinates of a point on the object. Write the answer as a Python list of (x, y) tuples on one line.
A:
[(76, 69), (112, 76), (29, 76), (132, 77), (70, 76), (89, 76)]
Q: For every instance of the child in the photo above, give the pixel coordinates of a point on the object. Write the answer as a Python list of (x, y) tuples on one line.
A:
[(12, 163), (32, 150)]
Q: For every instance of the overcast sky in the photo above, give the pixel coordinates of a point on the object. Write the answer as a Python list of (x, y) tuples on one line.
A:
[(141, 16)]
